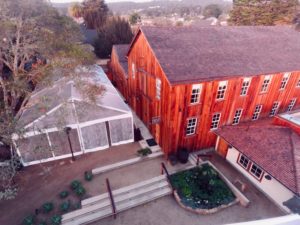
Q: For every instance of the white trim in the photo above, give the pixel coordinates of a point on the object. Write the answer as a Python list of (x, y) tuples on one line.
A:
[(96, 149), (44, 115), (104, 106), (49, 88), (122, 142), (50, 144), (93, 122), (80, 138), (51, 159)]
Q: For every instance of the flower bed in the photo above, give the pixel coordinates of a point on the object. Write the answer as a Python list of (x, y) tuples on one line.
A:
[(201, 189)]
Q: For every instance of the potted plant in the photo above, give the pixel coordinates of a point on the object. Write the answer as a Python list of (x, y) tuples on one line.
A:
[(183, 155), (172, 159)]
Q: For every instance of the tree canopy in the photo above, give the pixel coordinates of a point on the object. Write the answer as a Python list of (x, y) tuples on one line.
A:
[(212, 10), (134, 18), (115, 31), (261, 12), (94, 13), (34, 40)]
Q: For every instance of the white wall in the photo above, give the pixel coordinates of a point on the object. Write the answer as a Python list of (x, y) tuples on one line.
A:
[(272, 188)]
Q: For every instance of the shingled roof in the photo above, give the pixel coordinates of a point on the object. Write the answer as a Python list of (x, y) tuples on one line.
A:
[(121, 51), (193, 54), (274, 148)]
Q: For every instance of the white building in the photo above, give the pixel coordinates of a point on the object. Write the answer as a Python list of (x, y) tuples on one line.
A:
[(268, 155), (61, 120)]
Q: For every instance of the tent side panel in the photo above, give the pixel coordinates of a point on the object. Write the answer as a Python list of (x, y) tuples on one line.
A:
[(121, 131), (94, 136), (34, 148)]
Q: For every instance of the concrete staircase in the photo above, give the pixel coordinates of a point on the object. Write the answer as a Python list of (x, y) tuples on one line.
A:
[(99, 207)]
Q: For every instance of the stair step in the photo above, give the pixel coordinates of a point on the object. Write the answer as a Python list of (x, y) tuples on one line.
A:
[(99, 198), (92, 200), (88, 210), (136, 193), (143, 199), (89, 218), (125, 163)]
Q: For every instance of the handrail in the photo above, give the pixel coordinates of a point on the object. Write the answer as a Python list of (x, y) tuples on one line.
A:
[(164, 170), (112, 201)]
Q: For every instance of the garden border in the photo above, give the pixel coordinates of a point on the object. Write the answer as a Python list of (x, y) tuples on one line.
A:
[(239, 197)]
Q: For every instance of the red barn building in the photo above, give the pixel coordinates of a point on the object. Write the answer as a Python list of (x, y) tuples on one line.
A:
[(119, 68), (186, 82)]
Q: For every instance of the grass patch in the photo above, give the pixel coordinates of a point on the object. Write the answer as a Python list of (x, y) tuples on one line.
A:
[(201, 187)]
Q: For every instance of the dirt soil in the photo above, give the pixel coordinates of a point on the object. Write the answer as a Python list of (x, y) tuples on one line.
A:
[(41, 183)]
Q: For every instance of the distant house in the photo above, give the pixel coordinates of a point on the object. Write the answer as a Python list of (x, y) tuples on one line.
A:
[(267, 154), (119, 68), (60, 120), (186, 82)]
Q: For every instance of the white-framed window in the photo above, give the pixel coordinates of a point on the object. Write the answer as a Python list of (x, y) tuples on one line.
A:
[(266, 83), (284, 81), (245, 86), (158, 88), (215, 121), (244, 161), (221, 90), (133, 70), (298, 84), (191, 126), (256, 112), (256, 171), (292, 104), (237, 116), (196, 91), (275, 108)]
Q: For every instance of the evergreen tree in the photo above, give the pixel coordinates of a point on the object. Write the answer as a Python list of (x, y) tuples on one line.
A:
[(115, 31)]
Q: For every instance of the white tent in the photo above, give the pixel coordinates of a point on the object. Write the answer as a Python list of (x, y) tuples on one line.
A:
[(92, 124)]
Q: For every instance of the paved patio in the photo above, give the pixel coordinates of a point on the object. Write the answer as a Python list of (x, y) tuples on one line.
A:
[(39, 187), (41, 183), (166, 211)]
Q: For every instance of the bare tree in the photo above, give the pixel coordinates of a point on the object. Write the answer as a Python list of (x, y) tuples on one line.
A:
[(34, 39)]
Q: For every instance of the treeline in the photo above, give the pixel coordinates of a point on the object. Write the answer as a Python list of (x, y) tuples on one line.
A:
[(110, 29)]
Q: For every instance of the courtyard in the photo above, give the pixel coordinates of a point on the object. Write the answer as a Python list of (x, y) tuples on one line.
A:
[(42, 183)]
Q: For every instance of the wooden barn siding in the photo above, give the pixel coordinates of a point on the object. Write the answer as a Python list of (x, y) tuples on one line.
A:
[(174, 108), (118, 74)]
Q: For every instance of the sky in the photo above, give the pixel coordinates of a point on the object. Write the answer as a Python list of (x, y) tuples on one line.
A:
[(64, 1)]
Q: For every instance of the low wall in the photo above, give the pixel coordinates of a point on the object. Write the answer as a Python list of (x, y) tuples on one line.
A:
[(242, 199)]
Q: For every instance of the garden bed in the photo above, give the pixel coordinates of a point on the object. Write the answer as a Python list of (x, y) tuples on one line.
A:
[(202, 190)]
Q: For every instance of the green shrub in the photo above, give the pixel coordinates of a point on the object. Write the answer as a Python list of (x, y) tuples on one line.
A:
[(56, 220), (63, 194), (43, 223), (48, 207), (65, 206), (75, 184), (29, 220), (80, 191), (144, 152), (88, 175)]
